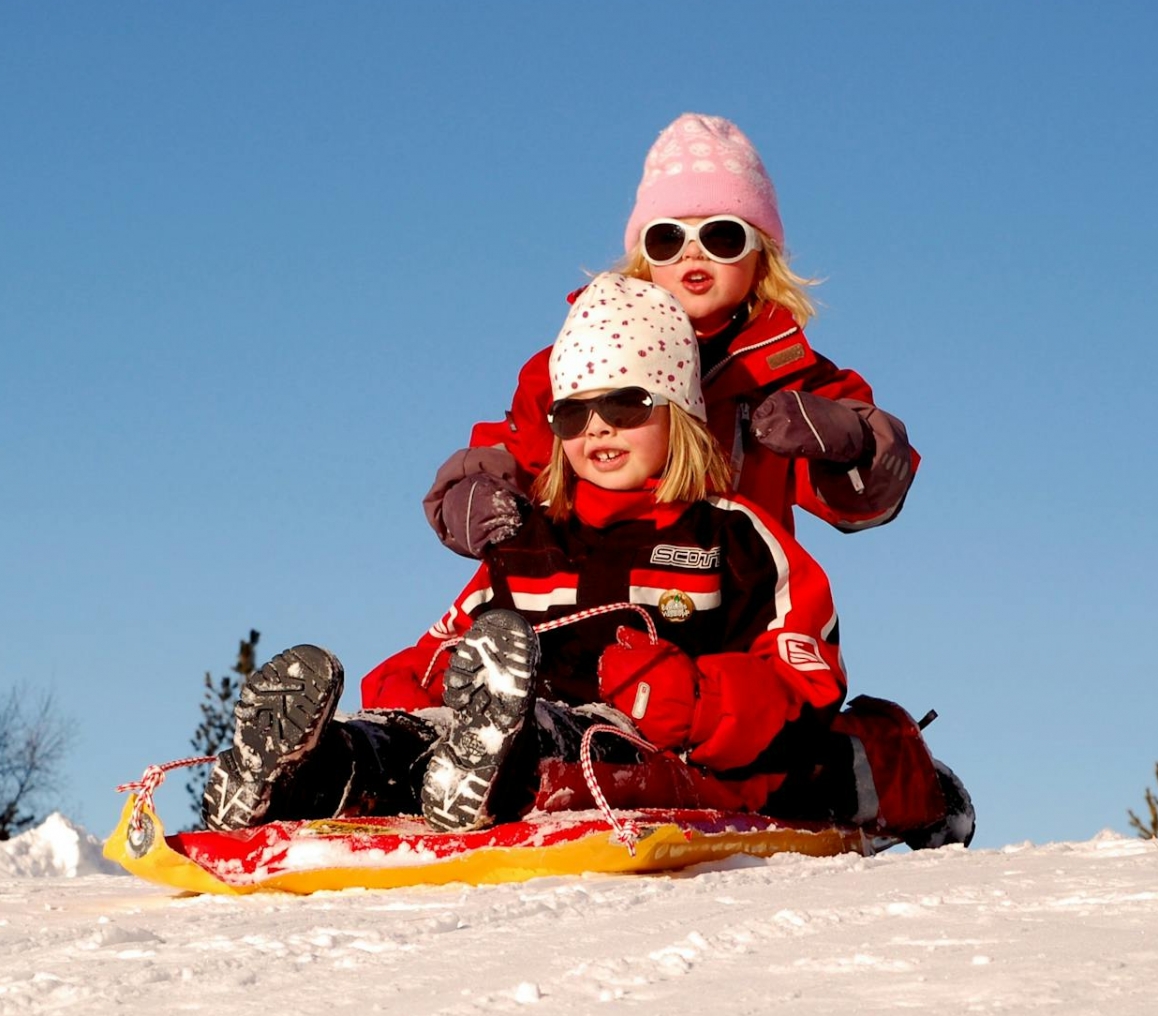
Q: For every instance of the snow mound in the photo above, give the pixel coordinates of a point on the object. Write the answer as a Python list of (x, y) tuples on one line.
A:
[(55, 847)]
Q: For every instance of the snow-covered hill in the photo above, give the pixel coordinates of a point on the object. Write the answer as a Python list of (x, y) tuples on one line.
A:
[(1064, 928)]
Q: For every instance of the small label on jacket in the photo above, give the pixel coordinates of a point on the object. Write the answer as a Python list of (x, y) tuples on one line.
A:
[(639, 706), (676, 605), (800, 651), (785, 356)]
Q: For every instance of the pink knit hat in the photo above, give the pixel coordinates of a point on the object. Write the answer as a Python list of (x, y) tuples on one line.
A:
[(699, 166), (623, 332)]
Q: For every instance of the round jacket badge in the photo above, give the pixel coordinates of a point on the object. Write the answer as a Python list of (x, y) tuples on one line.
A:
[(676, 605)]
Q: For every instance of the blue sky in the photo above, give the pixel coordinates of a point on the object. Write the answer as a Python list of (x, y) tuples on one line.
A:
[(262, 266)]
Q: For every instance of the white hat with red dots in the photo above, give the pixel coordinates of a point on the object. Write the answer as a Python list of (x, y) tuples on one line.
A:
[(623, 333)]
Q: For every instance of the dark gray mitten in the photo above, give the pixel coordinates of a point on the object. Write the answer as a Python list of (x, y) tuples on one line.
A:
[(802, 425), (481, 509), (470, 519)]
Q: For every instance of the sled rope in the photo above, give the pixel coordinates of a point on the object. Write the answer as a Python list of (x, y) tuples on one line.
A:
[(607, 608), (559, 622), (152, 778), (626, 832)]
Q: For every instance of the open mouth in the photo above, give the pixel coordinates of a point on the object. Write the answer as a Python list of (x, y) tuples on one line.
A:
[(607, 455), (696, 280)]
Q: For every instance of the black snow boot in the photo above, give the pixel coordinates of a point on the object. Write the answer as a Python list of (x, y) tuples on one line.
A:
[(960, 819), (489, 685), (281, 713)]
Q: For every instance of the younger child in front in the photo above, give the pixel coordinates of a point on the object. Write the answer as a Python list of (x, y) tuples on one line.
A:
[(745, 682)]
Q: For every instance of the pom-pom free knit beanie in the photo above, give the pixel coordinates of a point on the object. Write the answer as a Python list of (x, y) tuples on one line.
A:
[(700, 166), (622, 332)]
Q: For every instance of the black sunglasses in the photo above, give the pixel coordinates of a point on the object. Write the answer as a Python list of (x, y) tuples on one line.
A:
[(622, 408)]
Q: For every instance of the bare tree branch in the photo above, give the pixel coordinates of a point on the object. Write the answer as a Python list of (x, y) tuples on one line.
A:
[(33, 747)]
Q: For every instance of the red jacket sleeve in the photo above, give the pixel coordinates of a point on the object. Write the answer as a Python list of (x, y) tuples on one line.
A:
[(782, 638), (524, 433), (412, 679)]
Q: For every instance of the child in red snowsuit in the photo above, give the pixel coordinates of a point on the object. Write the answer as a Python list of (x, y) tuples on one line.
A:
[(748, 654), (745, 680), (796, 428), (736, 679)]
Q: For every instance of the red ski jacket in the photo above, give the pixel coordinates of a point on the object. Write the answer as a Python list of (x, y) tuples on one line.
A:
[(770, 353), (720, 579)]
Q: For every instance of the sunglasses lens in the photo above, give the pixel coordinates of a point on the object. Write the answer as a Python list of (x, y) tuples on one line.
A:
[(568, 417), (663, 241), (724, 238), (625, 408)]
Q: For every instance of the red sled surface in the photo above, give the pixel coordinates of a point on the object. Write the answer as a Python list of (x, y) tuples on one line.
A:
[(386, 853)]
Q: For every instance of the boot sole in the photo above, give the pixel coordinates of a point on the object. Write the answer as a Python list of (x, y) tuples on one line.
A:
[(281, 712), (488, 685)]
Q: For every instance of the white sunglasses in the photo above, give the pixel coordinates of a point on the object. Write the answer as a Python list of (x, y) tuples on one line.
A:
[(724, 238)]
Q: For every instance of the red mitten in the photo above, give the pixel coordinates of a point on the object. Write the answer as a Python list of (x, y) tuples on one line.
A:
[(743, 705), (653, 684)]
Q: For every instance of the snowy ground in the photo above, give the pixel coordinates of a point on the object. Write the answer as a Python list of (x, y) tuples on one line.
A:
[(1065, 927)]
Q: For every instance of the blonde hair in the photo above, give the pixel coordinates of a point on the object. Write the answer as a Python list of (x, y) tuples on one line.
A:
[(695, 468), (775, 282)]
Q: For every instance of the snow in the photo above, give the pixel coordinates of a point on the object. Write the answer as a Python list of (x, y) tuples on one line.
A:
[(57, 847), (1063, 927)]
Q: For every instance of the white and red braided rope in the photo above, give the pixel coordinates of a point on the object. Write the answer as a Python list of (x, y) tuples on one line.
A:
[(607, 608), (151, 779), (559, 622), (626, 832)]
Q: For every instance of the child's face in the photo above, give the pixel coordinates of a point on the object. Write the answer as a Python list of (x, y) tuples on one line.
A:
[(709, 291), (623, 458)]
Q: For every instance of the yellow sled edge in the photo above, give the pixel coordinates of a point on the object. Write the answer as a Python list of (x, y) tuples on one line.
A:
[(159, 862), (663, 847)]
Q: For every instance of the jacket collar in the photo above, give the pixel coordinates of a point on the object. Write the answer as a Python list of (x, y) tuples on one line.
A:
[(770, 349), (599, 507)]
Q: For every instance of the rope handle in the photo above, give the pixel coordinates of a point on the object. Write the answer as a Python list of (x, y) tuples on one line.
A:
[(579, 615), (626, 832), (150, 780)]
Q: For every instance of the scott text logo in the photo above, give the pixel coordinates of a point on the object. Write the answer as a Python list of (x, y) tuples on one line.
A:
[(686, 557)]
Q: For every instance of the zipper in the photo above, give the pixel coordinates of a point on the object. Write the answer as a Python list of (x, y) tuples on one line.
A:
[(746, 349)]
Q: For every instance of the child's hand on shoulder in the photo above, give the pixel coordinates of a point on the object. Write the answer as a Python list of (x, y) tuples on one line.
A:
[(481, 509), (799, 424)]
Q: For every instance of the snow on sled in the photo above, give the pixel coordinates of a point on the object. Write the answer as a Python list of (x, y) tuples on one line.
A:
[(387, 853)]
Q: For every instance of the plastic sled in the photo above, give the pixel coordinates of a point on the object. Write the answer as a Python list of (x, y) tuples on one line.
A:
[(387, 853)]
